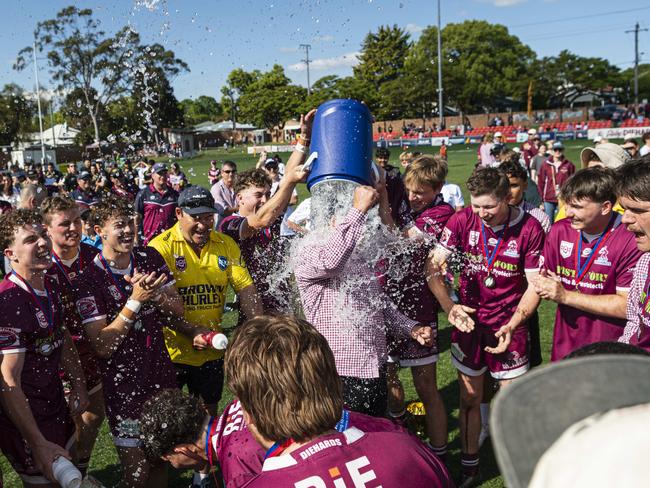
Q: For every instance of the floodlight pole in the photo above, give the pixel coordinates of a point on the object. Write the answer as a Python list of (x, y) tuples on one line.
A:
[(38, 100), (636, 65), (307, 47), (440, 106)]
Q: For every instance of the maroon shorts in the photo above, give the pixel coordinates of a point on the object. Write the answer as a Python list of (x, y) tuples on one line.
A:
[(470, 358), (409, 352), (58, 429)]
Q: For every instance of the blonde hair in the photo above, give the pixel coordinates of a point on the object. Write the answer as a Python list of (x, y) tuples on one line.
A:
[(426, 170)]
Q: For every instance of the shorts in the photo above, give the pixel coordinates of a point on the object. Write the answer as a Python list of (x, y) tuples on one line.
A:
[(205, 381), (59, 429), (468, 355), (366, 395), (409, 352)]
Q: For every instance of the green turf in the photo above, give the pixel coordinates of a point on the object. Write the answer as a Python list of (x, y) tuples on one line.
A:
[(104, 464)]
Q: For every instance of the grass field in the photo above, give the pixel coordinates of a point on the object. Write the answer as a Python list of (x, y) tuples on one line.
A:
[(104, 463)]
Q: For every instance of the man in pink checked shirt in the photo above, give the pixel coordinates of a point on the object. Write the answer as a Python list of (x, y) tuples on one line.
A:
[(343, 300)]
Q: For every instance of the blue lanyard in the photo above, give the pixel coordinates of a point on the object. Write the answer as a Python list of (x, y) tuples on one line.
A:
[(117, 279), (208, 450), (59, 263), (49, 310), (342, 425), (581, 269), (489, 257)]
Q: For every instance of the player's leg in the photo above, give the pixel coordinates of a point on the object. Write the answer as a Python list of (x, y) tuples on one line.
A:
[(137, 472), (396, 407), (534, 340), (88, 425), (426, 385), (488, 393)]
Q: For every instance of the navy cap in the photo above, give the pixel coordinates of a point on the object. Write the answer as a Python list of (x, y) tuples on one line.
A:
[(159, 168), (84, 175), (196, 200), (558, 145)]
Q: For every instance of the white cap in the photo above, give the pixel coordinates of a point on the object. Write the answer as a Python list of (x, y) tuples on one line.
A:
[(532, 132), (498, 134), (516, 149), (597, 139), (629, 137)]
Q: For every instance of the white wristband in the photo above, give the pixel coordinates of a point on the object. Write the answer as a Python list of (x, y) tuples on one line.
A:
[(300, 148), (133, 305), (126, 319)]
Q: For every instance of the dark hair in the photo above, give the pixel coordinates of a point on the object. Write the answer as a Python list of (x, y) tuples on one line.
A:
[(633, 179), (12, 221), (514, 170), (168, 419), (382, 152), (606, 347), (230, 163), (509, 156), (252, 178), (597, 184), (109, 207), (282, 370), (488, 181)]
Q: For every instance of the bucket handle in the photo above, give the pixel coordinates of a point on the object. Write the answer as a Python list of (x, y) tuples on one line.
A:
[(310, 161)]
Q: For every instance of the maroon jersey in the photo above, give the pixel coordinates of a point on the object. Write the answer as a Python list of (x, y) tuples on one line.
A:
[(550, 179), (411, 294), (140, 367), (611, 271), (66, 275), (261, 253), (356, 458), (241, 457), (158, 211), (520, 251), (32, 325)]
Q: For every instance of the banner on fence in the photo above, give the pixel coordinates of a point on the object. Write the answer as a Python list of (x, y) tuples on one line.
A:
[(617, 132)]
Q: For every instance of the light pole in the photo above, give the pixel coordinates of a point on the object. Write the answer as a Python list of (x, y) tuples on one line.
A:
[(440, 105), (38, 101), (307, 47)]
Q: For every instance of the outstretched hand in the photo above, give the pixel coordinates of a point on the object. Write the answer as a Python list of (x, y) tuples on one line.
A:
[(459, 317), (422, 334), (504, 336)]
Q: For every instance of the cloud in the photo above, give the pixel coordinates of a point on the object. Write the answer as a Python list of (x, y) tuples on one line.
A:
[(413, 28), (325, 38), (322, 64), (503, 3), (288, 49)]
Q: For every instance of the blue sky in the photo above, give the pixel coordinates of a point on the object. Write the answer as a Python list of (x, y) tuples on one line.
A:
[(216, 36)]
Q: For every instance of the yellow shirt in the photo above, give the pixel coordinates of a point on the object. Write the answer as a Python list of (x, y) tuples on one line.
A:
[(561, 211), (202, 283)]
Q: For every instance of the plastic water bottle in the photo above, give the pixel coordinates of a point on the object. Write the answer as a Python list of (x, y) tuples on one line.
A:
[(216, 339), (67, 475)]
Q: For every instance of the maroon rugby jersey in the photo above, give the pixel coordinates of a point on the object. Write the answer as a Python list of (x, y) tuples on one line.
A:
[(25, 329), (520, 252), (610, 272), (158, 210), (140, 367), (241, 457), (355, 458), (411, 294)]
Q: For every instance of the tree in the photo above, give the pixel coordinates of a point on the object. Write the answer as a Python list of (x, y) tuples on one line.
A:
[(237, 83), (330, 87), (626, 82), (382, 56), (203, 109), (15, 114), (75, 112)]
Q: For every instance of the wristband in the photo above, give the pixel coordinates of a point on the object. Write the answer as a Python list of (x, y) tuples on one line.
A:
[(133, 305), (126, 319), (300, 148), (302, 140)]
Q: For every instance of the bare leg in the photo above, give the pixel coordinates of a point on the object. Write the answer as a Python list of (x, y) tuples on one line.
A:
[(88, 425), (425, 382), (137, 472), (471, 392), (395, 390)]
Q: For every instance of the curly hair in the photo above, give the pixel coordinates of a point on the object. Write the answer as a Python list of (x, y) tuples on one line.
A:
[(251, 179), (109, 207), (514, 170), (168, 419), (56, 204), (11, 222)]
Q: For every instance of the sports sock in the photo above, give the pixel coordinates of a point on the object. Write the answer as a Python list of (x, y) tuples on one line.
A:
[(440, 451), (469, 464)]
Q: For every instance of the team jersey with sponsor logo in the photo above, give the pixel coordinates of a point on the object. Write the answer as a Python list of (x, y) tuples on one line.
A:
[(355, 458), (241, 457), (520, 252), (158, 210), (410, 291), (140, 366), (202, 282), (611, 271), (26, 329)]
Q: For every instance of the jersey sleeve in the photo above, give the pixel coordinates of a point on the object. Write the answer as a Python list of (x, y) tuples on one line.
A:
[(625, 265), (13, 333), (159, 265), (549, 260), (238, 275), (231, 225), (533, 254), (452, 232), (89, 301), (139, 203)]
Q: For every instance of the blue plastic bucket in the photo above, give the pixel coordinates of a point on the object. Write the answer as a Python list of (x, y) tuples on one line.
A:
[(342, 138)]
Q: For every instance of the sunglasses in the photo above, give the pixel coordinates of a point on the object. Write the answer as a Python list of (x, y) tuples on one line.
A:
[(230, 171)]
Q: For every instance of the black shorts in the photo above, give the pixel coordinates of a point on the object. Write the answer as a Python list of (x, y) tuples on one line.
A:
[(205, 381), (366, 395)]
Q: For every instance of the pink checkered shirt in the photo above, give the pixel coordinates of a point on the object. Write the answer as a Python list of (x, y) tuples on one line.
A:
[(352, 317), (634, 311), (538, 214)]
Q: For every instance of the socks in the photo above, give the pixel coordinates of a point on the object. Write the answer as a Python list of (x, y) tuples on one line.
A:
[(439, 451), (396, 415), (82, 465), (469, 464)]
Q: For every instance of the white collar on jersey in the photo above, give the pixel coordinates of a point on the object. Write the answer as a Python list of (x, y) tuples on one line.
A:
[(593, 237), (17, 281), (99, 264), (513, 222), (351, 435)]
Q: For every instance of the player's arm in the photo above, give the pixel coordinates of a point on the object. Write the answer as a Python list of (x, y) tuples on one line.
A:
[(277, 204), (78, 401), (296, 228), (16, 407), (458, 315), (384, 205), (250, 303)]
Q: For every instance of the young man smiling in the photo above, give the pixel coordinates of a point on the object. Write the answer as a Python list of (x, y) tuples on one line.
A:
[(589, 260)]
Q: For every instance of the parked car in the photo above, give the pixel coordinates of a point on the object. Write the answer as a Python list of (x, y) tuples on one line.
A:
[(609, 112)]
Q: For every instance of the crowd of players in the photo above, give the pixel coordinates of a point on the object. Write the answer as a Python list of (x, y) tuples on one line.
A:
[(115, 282)]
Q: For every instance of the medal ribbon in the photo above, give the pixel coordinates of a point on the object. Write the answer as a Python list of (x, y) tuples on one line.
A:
[(116, 279), (59, 263), (208, 436), (47, 311), (277, 449), (581, 270), (489, 258)]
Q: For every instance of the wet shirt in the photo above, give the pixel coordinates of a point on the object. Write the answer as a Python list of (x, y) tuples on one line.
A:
[(25, 329), (519, 253), (158, 210), (241, 457), (397, 197), (202, 282), (262, 256), (637, 328), (611, 271), (140, 367), (356, 458), (409, 289)]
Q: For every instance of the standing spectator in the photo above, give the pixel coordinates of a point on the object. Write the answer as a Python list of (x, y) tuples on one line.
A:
[(645, 149), (552, 175), (223, 191), (213, 173), (84, 195), (130, 176), (70, 178), (32, 196), (485, 156), (155, 205), (537, 161), (8, 192), (143, 167), (397, 196), (118, 184), (443, 150), (177, 178), (529, 148), (631, 145)]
